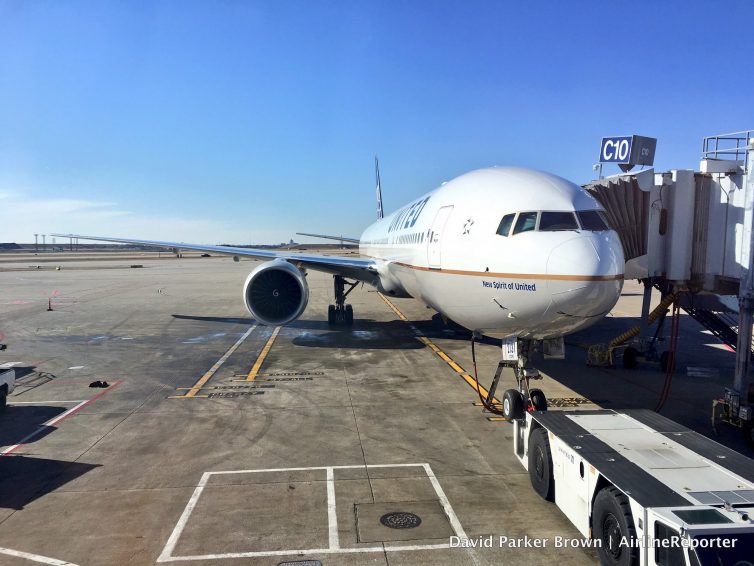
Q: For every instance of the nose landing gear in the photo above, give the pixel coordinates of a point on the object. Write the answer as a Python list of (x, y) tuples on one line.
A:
[(340, 312), (517, 401)]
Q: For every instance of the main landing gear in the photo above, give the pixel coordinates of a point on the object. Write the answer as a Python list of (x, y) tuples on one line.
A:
[(340, 312), (524, 398)]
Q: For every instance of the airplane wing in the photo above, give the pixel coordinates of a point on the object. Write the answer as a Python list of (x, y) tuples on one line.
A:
[(339, 238), (354, 268)]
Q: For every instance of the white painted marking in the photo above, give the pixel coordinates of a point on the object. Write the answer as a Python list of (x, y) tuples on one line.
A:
[(35, 557), (334, 544), (76, 367), (181, 524), (454, 522), (44, 402), (332, 517), (307, 551), (41, 427)]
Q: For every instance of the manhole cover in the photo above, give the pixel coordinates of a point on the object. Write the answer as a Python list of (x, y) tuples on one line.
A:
[(400, 520)]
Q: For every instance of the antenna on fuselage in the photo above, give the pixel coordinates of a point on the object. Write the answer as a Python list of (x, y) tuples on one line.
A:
[(380, 210)]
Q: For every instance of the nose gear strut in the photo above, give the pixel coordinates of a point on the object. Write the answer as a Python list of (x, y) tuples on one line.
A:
[(515, 401)]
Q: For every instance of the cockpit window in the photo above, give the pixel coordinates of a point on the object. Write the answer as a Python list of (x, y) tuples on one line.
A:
[(591, 220), (551, 221), (526, 222), (505, 225)]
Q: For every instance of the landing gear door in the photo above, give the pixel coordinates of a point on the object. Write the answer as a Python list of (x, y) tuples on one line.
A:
[(435, 237)]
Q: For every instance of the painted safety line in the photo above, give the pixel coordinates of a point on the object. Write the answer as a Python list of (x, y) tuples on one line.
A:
[(466, 376), (333, 544), (254, 371), (45, 402), (35, 557), (55, 420), (332, 516), (192, 392)]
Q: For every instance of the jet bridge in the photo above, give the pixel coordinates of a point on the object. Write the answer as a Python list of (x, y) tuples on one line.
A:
[(689, 234)]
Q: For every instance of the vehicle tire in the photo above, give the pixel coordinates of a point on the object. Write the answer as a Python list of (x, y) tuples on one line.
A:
[(331, 314), (513, 405), (349, 315), (630, 358), (538, 400), (3, 399), (611, 522), (540, 464)]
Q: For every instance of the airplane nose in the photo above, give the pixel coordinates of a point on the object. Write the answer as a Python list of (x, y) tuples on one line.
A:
[(574, 257), (585, 274)]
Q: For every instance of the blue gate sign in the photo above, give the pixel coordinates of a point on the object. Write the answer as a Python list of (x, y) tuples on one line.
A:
[(616, 150), (628, 150)]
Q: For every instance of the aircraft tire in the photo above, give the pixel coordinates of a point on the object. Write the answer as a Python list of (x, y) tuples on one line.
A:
[(630, 358), (538, 400), (349, 315), (513, 405), (331, 314)]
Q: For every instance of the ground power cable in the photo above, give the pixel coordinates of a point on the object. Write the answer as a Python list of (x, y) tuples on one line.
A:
[(670, 369), (489, 405)]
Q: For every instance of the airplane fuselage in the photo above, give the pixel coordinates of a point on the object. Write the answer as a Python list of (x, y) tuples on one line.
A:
[(493, 251)]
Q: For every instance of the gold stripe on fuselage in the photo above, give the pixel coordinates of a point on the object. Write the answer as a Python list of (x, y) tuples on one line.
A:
[(515, 275)]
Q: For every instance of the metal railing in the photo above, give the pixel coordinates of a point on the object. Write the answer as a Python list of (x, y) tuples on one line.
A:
[(722, 146)]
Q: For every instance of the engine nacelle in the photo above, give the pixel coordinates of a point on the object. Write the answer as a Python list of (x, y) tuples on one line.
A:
[(276, 292)]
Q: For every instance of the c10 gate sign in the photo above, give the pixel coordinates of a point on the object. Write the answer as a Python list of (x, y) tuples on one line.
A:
[(628, 150), (615, 150)]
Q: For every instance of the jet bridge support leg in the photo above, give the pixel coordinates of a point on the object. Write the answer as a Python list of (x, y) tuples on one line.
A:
[(340, 312)]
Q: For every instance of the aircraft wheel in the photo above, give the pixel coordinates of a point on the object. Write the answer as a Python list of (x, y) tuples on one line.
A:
[(513, 405), (349, 315), (540, 464), (331, 314), (3, 399), (630, 358), (538, 400), (612, 524)]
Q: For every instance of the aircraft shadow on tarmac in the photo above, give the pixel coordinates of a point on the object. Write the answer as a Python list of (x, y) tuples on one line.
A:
[(364, 334), (25, 478)]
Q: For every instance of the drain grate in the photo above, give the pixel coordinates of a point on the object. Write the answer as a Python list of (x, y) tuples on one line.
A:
[(301, 563), (400, 520)]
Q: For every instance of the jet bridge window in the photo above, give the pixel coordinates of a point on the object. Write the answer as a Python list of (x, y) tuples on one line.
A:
[(553, 221), (526, 222), (592, 220), (505, 225)]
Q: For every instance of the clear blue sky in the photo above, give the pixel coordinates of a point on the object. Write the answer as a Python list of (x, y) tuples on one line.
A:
[(247, 121)]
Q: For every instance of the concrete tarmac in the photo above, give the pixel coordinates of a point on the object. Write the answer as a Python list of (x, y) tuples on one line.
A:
[(219, 441)]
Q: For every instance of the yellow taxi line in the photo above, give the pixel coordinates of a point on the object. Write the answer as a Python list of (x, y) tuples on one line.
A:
[(194, 390), (254, 371), (442, 355)]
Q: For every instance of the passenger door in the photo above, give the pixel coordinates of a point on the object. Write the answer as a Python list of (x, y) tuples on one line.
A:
[(434, 253)]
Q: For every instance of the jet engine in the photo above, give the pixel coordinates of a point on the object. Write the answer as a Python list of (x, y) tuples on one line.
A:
[(276, 292)]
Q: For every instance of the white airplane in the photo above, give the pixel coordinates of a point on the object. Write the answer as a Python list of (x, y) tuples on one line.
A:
[(506, 252)]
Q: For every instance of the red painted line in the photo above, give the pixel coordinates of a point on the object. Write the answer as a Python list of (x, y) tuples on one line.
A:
[(77, 408), (55, 420)]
